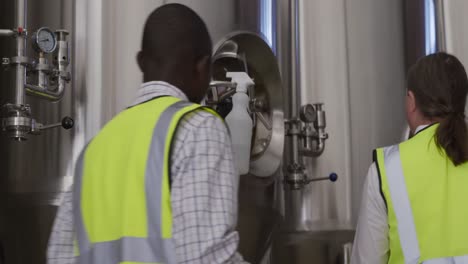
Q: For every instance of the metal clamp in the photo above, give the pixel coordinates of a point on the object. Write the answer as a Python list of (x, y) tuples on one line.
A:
[(20, 32), (23, 60), (6, 62), (296, 177), (18, 122), (293, 127)]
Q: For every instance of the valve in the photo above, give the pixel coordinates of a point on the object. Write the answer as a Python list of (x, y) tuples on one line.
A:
[(66, 123), (333, 177), (297, 177)]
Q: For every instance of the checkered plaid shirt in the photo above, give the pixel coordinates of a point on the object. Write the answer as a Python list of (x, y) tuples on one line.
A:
[(203, 193)]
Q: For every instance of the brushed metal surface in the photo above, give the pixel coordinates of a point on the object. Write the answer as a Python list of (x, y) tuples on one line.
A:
[(312, 247), (33, 173)]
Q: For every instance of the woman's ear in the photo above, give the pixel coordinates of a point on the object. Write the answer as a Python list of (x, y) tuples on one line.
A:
[(411, 102)]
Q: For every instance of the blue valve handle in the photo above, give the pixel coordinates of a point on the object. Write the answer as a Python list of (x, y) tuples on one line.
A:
[(333, 177)]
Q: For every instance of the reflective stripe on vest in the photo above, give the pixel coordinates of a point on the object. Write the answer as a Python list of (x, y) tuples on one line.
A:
[(390, 164), (151, 249), (399, 196)]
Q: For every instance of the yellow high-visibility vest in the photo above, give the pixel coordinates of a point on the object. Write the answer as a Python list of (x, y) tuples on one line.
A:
[(427, 201), (122, 209)]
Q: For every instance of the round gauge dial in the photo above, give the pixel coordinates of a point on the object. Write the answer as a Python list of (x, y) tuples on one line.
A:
[(45, 40), (308, 113)]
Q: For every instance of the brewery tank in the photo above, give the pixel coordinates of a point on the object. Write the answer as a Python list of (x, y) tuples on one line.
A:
[(35, 172)]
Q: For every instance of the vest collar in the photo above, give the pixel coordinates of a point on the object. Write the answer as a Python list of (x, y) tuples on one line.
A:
[(424, 128)]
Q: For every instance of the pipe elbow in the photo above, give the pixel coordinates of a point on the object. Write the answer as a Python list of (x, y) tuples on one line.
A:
[(43, 93), (314, 151)]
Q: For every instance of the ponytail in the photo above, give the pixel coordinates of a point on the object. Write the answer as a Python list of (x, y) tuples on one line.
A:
[(452, 136), (440, 86)]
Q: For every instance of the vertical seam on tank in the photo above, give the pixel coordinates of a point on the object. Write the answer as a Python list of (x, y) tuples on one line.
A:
[(348, 126)]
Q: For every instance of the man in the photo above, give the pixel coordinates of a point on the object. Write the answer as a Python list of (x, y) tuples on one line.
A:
[(158, 183), (414, 203)]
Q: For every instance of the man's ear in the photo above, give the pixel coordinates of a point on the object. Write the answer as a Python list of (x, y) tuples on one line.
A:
[(140, 60), (203, 64), (411, 102)]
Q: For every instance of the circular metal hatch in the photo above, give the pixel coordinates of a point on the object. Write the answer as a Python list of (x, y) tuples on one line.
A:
[(249, 52)]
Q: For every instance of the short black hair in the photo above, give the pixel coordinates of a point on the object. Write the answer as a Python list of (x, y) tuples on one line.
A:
[(174, 33)]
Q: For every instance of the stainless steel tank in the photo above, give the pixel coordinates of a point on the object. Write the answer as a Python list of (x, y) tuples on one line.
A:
[(352, 59), (34, 172)]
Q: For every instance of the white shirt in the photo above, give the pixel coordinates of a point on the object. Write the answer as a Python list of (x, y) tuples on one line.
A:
[(203, 193), (371, 241)]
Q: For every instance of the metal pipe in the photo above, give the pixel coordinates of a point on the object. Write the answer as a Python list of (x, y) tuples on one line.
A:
[(295, 175), (314, 152), (6, 32), (295, 147), (295, 77), (43, 93), (440, 25), (21, 9), (295, 58), (307, 149)]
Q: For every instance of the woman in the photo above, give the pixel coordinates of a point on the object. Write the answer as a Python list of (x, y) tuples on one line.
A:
[(415, 203)]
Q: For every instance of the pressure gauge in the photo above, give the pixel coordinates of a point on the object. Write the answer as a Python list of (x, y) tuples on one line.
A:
[(45, 40), (308, 113)]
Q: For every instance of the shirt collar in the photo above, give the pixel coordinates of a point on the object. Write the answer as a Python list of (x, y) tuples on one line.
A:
[(150, 90), (419, 128)]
